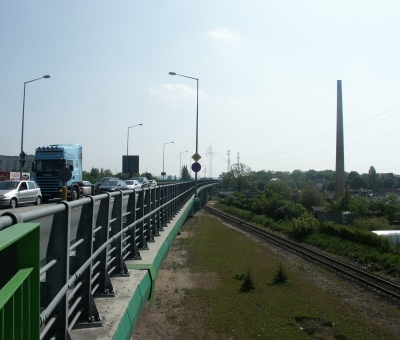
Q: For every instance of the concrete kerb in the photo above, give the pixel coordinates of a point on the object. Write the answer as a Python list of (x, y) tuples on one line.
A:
[(120, 313)]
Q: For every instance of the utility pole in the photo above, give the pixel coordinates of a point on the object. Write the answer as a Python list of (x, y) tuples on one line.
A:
[(229, 161), (210, 154), (238, 157)]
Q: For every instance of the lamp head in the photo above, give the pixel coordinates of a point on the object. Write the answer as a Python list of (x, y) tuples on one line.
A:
[(172, 74), (46, 76)]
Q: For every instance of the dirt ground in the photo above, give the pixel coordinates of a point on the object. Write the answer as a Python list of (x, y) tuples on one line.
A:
[(169, 320)]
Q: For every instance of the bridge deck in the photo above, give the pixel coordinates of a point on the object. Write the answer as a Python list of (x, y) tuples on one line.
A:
[(120, 312)]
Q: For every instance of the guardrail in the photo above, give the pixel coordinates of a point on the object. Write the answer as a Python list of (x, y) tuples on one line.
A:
[(78, 269)]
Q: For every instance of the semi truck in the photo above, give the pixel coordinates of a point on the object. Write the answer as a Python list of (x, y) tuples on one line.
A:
[(59, 165)]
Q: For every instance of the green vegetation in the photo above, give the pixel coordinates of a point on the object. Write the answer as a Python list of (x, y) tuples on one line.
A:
[(352, 242), (298, 310)]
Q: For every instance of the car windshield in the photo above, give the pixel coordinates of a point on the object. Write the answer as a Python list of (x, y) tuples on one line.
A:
[(129, 182), (111, 183), (9, 185), (140, 180)]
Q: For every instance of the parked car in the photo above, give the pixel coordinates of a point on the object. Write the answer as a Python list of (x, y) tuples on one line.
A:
[(144, 182), (133, 184), (152, 183), (13, 193), (102, 180), (113, 185), (86, 183)]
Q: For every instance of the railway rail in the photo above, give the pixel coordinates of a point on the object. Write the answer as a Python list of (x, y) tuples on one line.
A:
[(383, 287)]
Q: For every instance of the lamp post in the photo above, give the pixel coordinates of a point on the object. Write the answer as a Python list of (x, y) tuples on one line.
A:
[(22, 154), (163, 172), (197, 123), (127, 148), (180, 162)]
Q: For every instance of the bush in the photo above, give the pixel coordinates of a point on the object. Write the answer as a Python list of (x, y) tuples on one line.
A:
[(304, 225), (376, 223), (357, 235)]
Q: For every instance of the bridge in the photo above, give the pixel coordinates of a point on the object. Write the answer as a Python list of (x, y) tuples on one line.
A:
[(97, 269)]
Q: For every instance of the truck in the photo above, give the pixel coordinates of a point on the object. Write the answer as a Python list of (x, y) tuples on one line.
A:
[(59, 165)]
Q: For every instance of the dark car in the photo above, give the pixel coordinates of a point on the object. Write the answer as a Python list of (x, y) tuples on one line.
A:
[(144, 182), (102, 180), (113, 185)]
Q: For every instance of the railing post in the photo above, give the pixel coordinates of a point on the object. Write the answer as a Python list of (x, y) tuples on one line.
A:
[(58, 275), (147, 221), (117, 262), (158, 215), (84, 251), (100, 276), (131, 235), (140, 228)]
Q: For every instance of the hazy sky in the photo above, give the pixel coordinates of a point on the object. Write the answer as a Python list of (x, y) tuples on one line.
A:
[(267, 75)]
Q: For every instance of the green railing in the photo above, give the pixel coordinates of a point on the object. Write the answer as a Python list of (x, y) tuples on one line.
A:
[(19, 282)]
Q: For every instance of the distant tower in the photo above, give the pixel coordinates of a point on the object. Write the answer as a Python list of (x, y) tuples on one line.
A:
[(229, 161), (238, 158), (339, 175), (210, 154)]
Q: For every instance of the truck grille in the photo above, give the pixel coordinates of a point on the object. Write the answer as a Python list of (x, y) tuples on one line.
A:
[(48, 184)]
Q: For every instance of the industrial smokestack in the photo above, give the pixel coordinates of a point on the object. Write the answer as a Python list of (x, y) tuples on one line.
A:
[(339, 175)]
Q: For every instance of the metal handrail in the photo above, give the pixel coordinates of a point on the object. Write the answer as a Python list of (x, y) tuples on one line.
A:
[(112, 230)]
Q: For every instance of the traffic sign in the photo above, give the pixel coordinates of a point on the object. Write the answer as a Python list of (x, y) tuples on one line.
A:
[(196, 157), (196, 167)]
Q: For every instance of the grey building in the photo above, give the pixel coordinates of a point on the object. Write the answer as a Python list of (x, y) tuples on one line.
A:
[(11, 163)]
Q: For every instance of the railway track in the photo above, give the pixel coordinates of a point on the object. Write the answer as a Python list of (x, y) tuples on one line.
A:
[(380, 286)]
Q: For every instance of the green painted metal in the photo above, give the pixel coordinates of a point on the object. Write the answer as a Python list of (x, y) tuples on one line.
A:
[(145, 290), (20, 295)]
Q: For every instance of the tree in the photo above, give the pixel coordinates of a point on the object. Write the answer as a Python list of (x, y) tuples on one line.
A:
[(227, 179), (281, 189), (185, 173), (388, 182), (95, 173), (372, 178), (311, 196), (240, 174), (108, 173), (353, 174), (358, 182), (148, 175)]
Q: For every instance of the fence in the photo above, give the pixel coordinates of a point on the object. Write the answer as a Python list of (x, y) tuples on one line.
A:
[(79, 267)]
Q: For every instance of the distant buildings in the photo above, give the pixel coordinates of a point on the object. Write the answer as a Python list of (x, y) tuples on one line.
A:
[(11, 163)]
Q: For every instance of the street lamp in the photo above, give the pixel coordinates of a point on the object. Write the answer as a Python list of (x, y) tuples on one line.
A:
[(180, 162), (22, 154), (197, 123), (163, 172), (127, 148)]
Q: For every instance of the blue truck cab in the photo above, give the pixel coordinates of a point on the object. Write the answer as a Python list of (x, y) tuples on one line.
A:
[(49, 160)]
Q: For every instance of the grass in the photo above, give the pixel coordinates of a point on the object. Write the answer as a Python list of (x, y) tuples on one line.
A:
[(290, 311)]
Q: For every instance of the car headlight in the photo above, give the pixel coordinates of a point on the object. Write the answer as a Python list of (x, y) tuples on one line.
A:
[(3, 196)]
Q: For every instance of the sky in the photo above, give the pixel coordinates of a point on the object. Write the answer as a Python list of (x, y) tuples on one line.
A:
[(267, 74)]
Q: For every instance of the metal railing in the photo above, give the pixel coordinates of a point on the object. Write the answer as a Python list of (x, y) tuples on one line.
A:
[(78, 268)]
